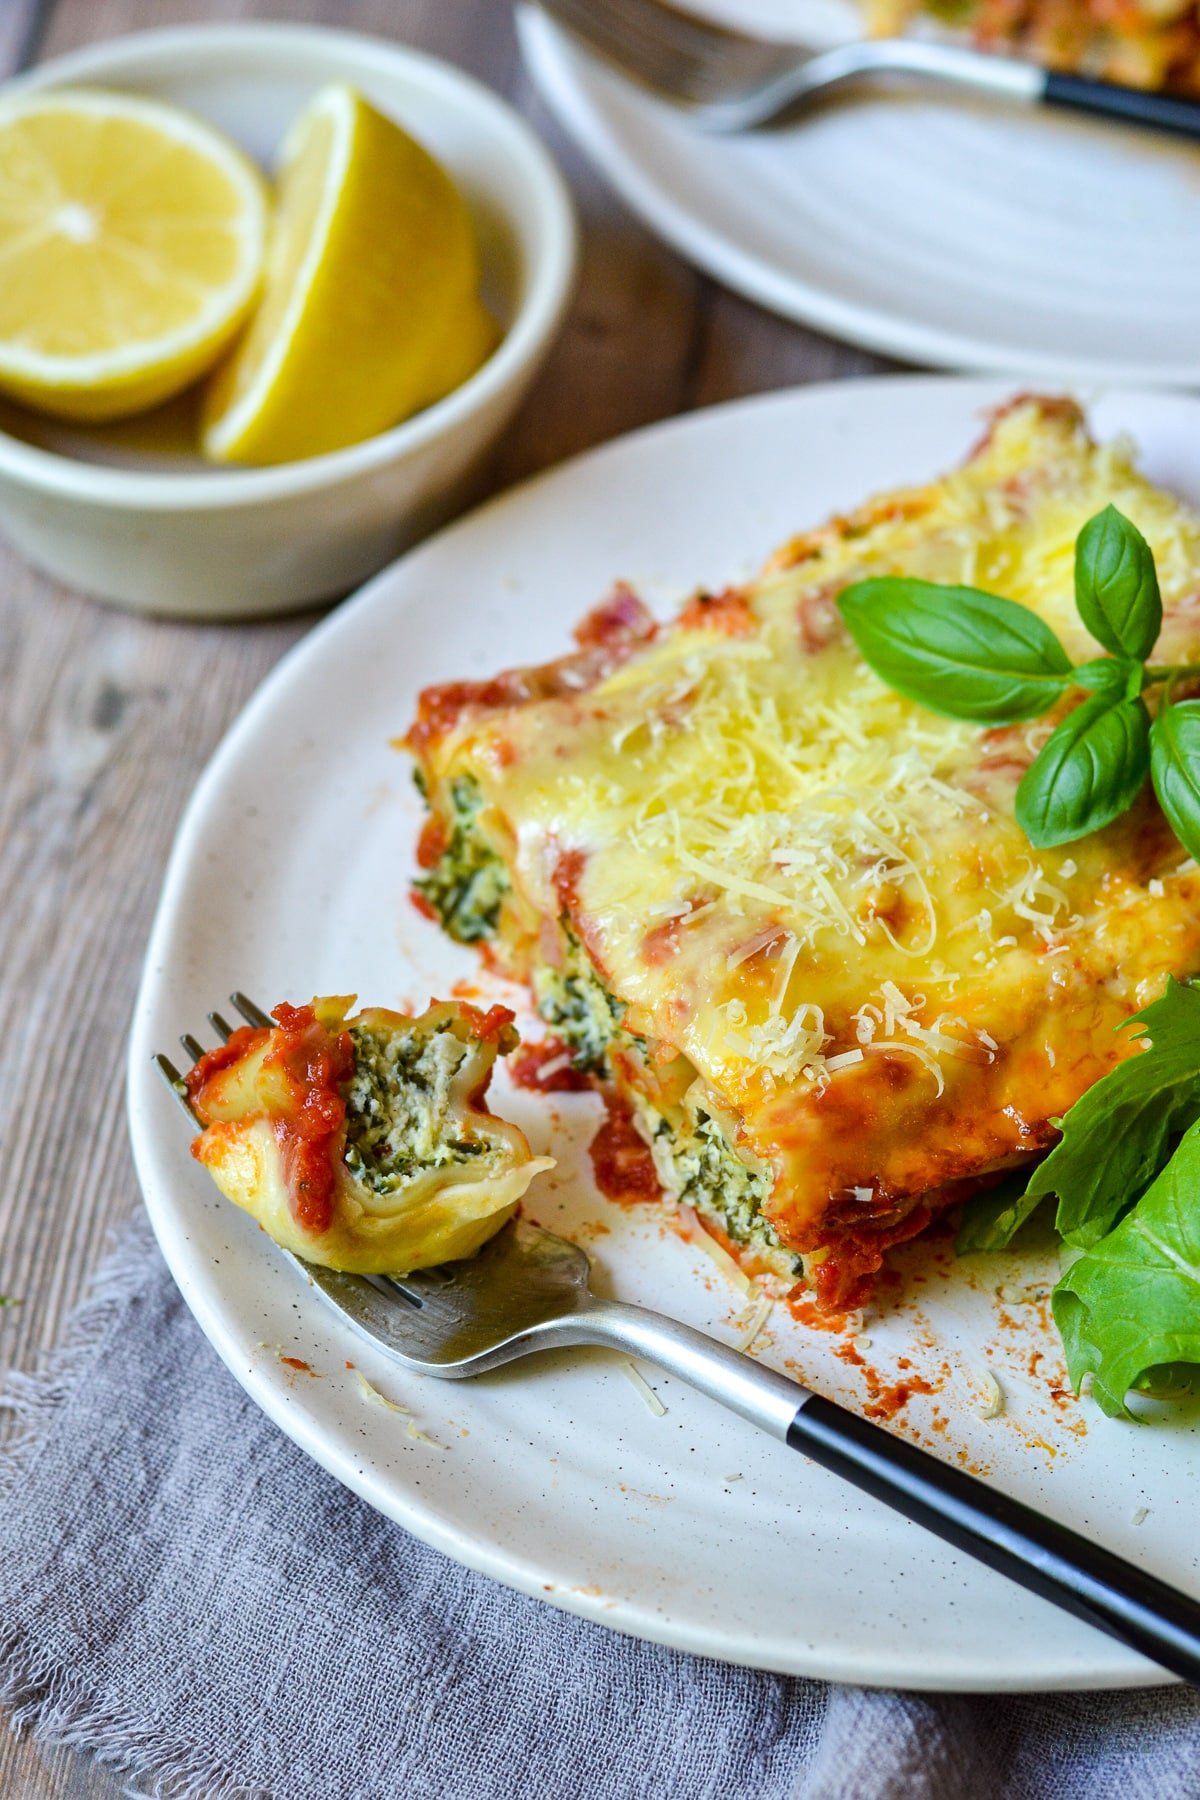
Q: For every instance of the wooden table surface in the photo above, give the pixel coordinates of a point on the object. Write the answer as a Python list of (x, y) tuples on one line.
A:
[(107, 719)]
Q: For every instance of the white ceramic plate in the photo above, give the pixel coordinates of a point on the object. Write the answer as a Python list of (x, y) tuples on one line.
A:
[(940, 231), (289, 876)]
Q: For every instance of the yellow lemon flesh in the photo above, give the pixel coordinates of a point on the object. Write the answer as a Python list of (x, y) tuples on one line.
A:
[(371, 306), (131, 248)]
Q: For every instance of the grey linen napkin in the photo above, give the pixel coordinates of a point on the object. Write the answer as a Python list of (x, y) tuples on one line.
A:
[(185, 1593)]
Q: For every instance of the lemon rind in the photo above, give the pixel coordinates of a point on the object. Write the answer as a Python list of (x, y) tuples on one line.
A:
[(338, 100)]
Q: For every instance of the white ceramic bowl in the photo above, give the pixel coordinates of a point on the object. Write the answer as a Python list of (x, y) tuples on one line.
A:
[(129, 513)]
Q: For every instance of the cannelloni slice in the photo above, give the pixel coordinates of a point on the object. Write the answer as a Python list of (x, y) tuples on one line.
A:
[(787, 915), (365, 1143)]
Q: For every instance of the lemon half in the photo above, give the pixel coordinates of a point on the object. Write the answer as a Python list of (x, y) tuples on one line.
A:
[(371, 305), (131, 247)]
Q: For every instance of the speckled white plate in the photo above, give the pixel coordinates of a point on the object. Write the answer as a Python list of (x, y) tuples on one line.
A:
[(289, 876), (942, 231)]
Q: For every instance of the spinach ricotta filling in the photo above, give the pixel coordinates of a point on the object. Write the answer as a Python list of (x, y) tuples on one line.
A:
[(699, 1167), (400, 1116), (580, 1008), (467, 884)]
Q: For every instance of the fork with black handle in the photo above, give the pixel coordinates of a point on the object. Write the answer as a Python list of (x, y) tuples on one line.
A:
[(527, 1290), (727, 80)]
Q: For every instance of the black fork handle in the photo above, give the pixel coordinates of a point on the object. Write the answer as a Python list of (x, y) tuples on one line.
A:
[(1049, 1558), (1160, 112)]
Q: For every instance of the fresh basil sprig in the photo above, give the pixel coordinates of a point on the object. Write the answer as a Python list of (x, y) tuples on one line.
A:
[(1108, 674), (1116, 585), (956, 650), (1175, 767), (1132, 1305), (1089, 771), (1125, 1184), (1115, 1139), (976, 656)]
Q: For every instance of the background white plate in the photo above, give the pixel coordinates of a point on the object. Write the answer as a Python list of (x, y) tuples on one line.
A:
[(940, 231), (289, 876)]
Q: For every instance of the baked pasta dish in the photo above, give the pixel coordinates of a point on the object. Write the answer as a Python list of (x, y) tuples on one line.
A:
[(365, 1143), (784, 917), (1143, 43)]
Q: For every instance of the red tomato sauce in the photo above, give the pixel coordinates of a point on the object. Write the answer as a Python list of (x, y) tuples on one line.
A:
[(621, 1160), (729, 612), (490, 1024), (844, 1279), (546, 1068), (620, 620), (315, 1062), (431, 844)]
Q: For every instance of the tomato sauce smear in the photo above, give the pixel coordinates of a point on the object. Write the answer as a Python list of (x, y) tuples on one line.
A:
[(546, 1068), (621, 1159), (314, 1063)]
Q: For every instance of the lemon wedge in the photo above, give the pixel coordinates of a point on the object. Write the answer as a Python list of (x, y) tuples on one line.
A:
[(371, 306), (131, 247)]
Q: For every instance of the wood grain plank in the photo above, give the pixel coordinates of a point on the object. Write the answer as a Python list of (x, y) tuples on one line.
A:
[(22, 26), (108, 719)]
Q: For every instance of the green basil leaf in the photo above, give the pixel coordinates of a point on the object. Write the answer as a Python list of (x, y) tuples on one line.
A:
[(1088, 772), (992, 1218), (1107, 675), (1118, 1136), (1116, 586), (958, 651), (1175, 766), (1132, 1303)]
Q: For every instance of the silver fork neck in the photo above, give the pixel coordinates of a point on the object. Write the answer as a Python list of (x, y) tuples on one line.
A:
[(1001, 77), (759, 1394), (991, 77)]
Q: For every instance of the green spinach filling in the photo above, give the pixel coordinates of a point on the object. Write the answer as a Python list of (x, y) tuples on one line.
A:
[(467, 884), (400, 1120), (580, 1008), (698, 1165)]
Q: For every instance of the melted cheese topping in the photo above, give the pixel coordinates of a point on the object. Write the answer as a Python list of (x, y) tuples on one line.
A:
[(815, 890)]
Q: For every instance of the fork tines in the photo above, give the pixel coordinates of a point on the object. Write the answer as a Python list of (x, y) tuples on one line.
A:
[(676, 53), (249, 1010)]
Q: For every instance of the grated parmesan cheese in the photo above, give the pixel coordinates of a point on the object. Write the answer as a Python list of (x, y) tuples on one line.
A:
[(716, 1252), (373, 1396), (753, 1325), (643, 1387), (992, 1404)]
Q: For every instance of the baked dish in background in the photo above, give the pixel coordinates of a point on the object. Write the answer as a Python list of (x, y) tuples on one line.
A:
[(1143, 43), (784, 917)]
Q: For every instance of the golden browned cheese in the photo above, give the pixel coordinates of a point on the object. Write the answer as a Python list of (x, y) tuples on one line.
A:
[(809, 898), (1143, 43)]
